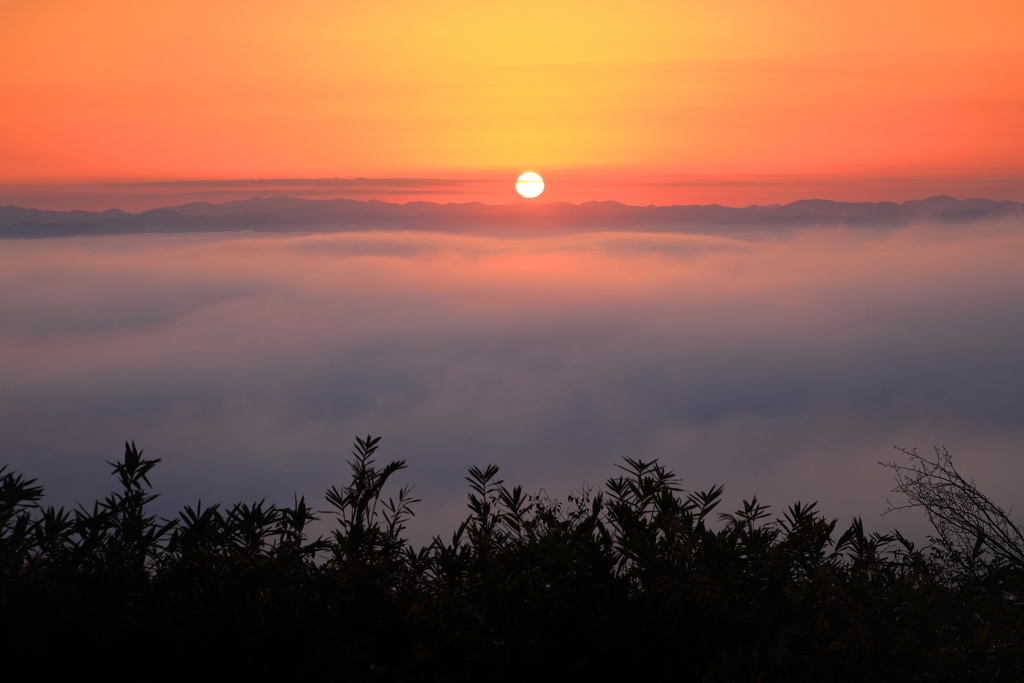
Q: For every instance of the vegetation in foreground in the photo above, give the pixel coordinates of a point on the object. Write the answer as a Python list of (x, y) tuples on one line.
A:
[(639, 579)]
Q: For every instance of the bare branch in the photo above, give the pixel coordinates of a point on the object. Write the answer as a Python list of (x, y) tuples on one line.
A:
[(963, 517)]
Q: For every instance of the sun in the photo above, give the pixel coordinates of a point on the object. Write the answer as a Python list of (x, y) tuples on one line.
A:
[(530, 185)]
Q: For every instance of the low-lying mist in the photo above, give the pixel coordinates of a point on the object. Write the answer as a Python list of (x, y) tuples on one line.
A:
[(783, 368)]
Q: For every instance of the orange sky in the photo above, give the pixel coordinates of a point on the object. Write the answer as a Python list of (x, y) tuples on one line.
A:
[(641, 101)]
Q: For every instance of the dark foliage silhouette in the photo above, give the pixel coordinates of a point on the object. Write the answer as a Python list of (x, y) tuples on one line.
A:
[(638, 579)]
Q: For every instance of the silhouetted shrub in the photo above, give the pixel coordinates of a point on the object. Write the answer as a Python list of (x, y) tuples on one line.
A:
[(638, 580)]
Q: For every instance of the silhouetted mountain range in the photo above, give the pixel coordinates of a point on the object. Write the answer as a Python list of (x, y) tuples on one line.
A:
[(287, 214)]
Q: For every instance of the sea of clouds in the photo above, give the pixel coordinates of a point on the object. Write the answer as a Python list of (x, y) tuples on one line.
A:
[(783, 368)]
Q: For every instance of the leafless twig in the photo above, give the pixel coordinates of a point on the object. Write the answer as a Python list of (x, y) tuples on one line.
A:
[(963, 517)]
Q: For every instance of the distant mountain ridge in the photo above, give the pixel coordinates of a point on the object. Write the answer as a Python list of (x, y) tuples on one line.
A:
[(289, 215)]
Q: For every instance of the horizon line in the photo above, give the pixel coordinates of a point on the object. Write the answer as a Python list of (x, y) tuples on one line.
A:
[(517, 204)]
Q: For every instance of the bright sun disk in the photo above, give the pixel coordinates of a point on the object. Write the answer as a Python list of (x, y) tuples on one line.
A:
[(529, 185)]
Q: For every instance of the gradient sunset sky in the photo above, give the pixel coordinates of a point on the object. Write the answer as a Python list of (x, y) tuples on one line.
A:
[(650, 101)]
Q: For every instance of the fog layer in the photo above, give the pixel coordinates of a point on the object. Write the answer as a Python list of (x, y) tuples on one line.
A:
[(784, 368)]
